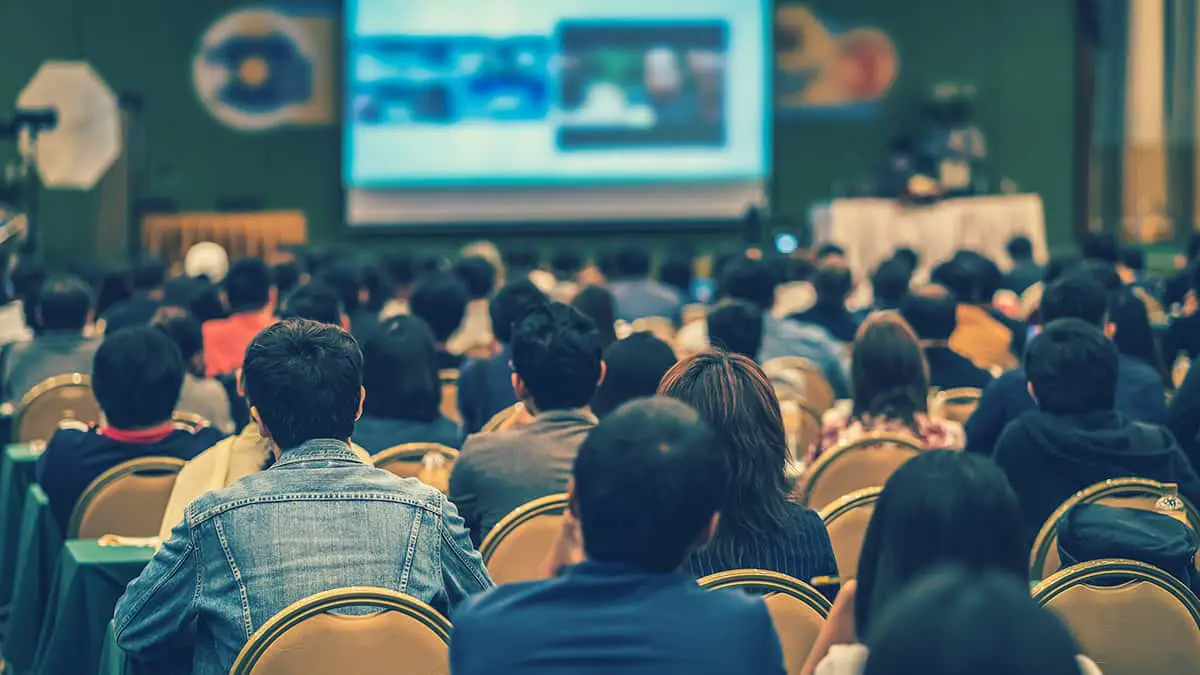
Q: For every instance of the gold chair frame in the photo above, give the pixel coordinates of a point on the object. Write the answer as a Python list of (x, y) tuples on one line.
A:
[(42, 388), (448, 378), (321, 603), (804, 489), (1093, 570), (190, 421), (771, 582), (550, 505), (818, 401), (114, 475), (844, 505), (407, 451), (956, 396)]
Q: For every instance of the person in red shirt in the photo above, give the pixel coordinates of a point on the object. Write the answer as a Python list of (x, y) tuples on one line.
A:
[(248, 293)]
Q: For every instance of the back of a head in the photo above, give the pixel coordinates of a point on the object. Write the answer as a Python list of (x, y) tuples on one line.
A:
[(64, 304), (888, 372), (890, 282), (984, 275), (565, 263), (148, 274), (477, 276), (556, 352), (633, 368), (346, 280), (1133, 257), (633, 262), (510, 304), (199, 296), (286, 276), (1101, 247), (597, 303), (440, 299), (1074, 296), (1103, 272), (931, 312), (832, 283), (648, 480), (736, 326), (137, 375), (248, 285), (401, 268), (940, 508), (676, 272), (909, 257), (400, 371), (183, 329), (955, 277), (959, 622), (1072, 368), (749, 280), (825, 251), (303, 381), (1134, 336), (315, 301), (1020, 249)]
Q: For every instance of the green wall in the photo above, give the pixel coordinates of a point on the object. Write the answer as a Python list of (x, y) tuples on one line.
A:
[(1019, 53)]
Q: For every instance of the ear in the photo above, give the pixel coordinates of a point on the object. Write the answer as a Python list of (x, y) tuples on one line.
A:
[(264, 432), (519, 387), (707, 534), (362, 397), (603, 372), (1029, 388), (346, 323), (1110, 329), (241, 382), (91, 317)]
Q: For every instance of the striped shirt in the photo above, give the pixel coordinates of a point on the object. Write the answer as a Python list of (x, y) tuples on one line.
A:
[(802, 551)]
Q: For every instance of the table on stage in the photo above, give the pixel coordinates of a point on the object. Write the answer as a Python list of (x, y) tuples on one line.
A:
[(870, 229), (254, 233)]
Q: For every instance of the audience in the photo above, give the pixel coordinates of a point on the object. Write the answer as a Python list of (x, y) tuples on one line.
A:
[(637, 295), (1076, 438), (247, 293), (440, 300), (1025, 272), (980, 334), (315, 301), (319, 519), (759, 528), (200, 395), (832, 284), (1133, 335), (645, 492), (565, 265), (147, 277), (633, 368), (675, 271), (61, 343), (346, 280), (932, 314), (890, 283), (1183, 335), (597, 304), (736, 326), (404, 394), (556, 357), (401, 270), (890, 380), (474, 335)]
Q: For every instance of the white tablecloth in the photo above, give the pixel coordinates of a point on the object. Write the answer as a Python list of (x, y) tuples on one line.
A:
[(871, 229)]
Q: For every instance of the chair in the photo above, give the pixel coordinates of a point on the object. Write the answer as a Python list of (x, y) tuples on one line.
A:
[(802, 425), (854, 465), (516, 547), (846, 521), (797, 609), (811, 385), (430, 463), (660, 327), (190, 421), (956, 404), (128, 499), (511, 417), (1129, 617), (449, 380), (63, 397), (306, 638), (1130, 493)]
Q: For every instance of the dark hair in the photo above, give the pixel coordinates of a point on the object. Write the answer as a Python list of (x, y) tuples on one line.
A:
[(248, 285), (931, 312), (888, 372), (736, 400), (907, 256), (648, 481), (315, 301), (736, 326), (1020, 249), (1072, 368), (832, 284), (137, 375), (286, 276), (304, 378), (477, 275), (199, 296), (401, 268), (566, 263), (378, 285), (940, 508), (749, 280), (982, 624), (890, 283), (183, 329), (676, 272), (827, 250), (1134, 335), (633, 262), (114, 287), (1193, 246), (346, 281), (1100, 246), (598, 304), (556, 353), (148, 274), (64, 304), (520, 259), (983, 275), (400, 371), (633, 368), (510, 304), (1133, 257), (441, 300), (1074, 296), (1105, 273)]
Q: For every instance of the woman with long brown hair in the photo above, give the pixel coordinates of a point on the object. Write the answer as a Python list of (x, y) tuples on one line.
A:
[(759, 527)]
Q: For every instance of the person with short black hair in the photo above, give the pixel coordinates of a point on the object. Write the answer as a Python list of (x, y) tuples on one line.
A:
[(200, 395), (637, 295), (889, 284), (633, 368), (401, 270), (1183, 334), (1025, 271), (932, 313), (558, 364), (1075, 437), (736, 326), (675, 271), (646, 491), (565, 265), (346, 280), (474, 337), (315, 301), (598, 304), (829, 250), (61, 343), (441, 301), (832, 284), (247, 293), (136, 376), (146, 278), (983, 334), (287, 276), (908, 257)]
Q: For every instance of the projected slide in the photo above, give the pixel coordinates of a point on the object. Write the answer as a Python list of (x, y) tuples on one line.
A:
[(496, 93)]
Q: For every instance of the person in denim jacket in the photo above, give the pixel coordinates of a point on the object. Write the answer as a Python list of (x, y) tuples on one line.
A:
[(318, 519)]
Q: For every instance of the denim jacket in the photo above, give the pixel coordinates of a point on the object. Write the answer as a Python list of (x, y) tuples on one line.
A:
[(318, 519)]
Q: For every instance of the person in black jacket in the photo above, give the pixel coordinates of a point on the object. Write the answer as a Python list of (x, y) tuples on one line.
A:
[(1075, 438)]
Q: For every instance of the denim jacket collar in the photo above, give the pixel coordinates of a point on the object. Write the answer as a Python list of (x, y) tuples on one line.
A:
[(318, 449)]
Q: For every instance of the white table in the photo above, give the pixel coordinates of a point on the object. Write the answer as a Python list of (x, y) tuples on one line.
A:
[(871, 229)]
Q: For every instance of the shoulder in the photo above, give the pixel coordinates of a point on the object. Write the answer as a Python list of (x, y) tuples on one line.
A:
[(73, 435), (843, 660), (498, 603)]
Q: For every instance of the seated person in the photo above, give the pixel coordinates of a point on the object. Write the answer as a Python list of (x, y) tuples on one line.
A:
[(1074, 296), (474, 335), (932, 313), (832, 284), (485, 385), (633, 368), (646, 491), (404, 394), (61, 344), (557, 359), (1025, 272), (637, 295), (346, 280), (889, 286), (980, 334), (200, 395), (315, 301), (320, 518), (136, 376), (1183, 336), (1076, 438), (597, 304), (736, 326), (247, 293), (147, 276), (440, 300)]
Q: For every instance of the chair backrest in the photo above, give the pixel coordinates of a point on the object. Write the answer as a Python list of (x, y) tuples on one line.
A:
[(1129, 617), (852, 466), (956, 404), (63, 397), (128, 499), (430, 463), (449, 380), (797, 609), (190, 421), (511, 417), (406, 636), (846, 521), (815, 390), (1129, 493), (802, 424), (516, 547)]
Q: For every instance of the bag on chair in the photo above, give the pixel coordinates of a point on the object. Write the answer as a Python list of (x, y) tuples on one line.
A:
[(1095, 531)]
